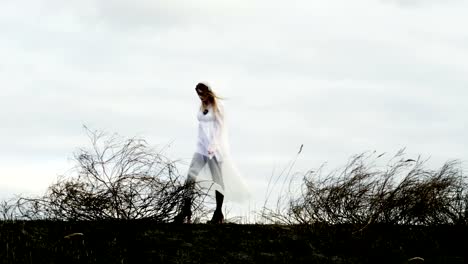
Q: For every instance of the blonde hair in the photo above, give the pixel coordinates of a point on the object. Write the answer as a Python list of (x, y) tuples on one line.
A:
[(212, 97)]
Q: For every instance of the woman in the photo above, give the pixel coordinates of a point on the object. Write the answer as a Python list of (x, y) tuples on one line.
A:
[(212, 152)]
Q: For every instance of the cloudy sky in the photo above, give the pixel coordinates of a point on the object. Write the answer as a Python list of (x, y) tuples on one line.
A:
[(341, 77)]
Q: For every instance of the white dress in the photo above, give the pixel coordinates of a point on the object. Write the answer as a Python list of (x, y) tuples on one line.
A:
[(209, 133), (213, 134)]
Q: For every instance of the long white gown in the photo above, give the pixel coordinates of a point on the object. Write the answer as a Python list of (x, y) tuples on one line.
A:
[(213, 134)]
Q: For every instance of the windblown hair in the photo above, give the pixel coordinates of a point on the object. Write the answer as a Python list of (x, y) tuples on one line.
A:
[(212, 97)]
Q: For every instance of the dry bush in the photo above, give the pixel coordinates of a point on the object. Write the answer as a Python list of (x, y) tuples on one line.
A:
[(401, 192), (113, 179), (8, 209)]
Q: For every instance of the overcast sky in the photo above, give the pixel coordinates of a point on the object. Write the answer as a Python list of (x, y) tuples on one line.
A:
[(341, 77)]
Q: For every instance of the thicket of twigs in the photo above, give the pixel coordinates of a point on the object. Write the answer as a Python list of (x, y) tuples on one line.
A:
[(115, 178), (118, 178), (402, 191)]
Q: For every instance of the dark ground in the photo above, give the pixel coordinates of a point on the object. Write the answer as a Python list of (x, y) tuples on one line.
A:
[(143, 241)]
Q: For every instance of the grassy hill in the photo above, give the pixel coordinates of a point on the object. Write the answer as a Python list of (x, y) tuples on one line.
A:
[(144, 241)]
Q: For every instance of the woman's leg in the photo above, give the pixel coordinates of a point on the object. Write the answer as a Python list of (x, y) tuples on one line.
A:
[(219, 202), (198, 161), (215, 168), (216, 174)]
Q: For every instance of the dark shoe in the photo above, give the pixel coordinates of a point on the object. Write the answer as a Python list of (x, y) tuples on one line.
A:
[(185, 214), (184, 217), (218, 218)]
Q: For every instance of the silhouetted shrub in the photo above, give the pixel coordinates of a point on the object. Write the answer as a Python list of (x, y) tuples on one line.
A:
[(401, 192), (115, 178)]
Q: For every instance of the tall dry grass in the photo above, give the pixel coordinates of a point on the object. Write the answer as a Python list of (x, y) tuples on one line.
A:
[(402, 191)]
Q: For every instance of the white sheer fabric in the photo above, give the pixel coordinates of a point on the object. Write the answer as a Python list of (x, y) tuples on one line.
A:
[(213, 135)]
